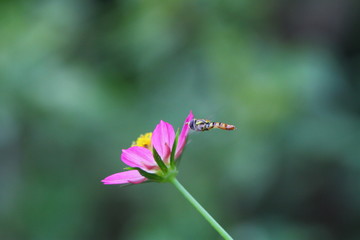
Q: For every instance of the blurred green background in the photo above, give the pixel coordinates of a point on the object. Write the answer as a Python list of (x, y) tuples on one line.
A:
[(80, 80)]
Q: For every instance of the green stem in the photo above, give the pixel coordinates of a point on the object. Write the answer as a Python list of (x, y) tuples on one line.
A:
[(202, 211)]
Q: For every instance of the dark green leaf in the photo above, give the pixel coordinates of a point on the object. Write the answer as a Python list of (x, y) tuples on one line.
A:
[(173, 150), (143, 173), (159, 161)]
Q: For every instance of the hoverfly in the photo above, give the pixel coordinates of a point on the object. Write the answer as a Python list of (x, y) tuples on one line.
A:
[(205, 125)]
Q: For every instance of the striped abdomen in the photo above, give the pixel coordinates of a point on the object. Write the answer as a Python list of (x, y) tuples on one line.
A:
[(223, 126)]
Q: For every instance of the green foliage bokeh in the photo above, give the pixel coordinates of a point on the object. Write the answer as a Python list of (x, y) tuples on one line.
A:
[(80, 80)]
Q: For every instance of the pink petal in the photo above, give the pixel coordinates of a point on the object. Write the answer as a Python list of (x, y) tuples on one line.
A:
[(139, 157), (132, 176), (183, 135), (163, 139)]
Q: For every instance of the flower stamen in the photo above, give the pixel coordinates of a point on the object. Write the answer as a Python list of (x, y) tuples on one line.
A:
[(144, 140)]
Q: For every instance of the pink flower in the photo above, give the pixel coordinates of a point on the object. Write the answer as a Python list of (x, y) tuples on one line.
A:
[(141, 159)]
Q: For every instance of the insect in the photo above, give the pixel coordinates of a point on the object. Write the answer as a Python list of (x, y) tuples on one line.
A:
[(205, 125)]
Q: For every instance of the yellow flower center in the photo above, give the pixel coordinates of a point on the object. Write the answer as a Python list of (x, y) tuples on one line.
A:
[(143, 141)]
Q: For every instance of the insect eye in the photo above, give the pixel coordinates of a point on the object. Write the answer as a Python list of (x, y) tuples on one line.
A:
[(191, 124)]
